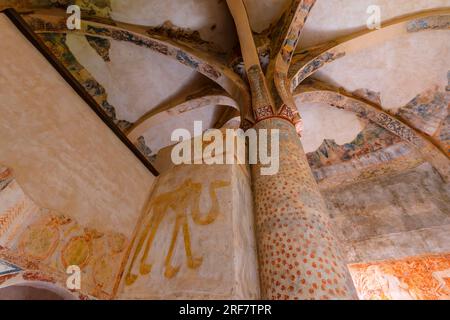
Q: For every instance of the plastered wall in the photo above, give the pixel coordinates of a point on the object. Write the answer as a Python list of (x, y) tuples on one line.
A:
[(82, 187), (393, 217)]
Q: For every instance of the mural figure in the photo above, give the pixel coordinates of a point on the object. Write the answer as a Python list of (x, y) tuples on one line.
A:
[(443, 289), (415, 278), (179, 201)]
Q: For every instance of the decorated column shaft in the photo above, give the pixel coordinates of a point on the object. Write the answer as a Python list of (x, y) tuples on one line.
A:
[(299, 257)]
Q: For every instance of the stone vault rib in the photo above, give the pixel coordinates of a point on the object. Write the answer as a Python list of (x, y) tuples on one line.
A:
[(318, 92), (307, 62), (54, 21)]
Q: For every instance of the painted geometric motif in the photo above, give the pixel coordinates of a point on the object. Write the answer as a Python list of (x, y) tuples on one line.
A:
[(15, 206)]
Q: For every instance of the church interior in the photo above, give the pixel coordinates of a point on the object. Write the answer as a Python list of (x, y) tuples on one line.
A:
[(93, 207)]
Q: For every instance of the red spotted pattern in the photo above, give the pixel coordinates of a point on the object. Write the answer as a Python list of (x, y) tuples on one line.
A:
[(299, 255)]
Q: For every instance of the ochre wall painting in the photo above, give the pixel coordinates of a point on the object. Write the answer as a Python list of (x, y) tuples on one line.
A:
[(417, 278), (195, 239)]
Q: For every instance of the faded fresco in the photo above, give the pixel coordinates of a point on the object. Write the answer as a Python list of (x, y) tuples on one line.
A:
[(418, 278), (182, 201), (429, 113), (57, 44), (37, 239), (373, 138)]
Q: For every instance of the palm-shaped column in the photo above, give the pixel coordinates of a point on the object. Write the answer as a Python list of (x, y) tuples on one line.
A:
[(299, 256)]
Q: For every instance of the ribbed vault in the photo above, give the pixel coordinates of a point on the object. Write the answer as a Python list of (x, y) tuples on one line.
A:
[(198, 43)]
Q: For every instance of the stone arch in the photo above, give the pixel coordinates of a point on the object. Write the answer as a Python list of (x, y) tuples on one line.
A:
[(207, 98), (309, 61)]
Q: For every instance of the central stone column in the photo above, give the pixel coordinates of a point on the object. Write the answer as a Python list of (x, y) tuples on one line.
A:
[(299, 256)]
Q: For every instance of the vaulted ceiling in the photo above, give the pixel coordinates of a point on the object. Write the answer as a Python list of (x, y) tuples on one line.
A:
[(155, 66)]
